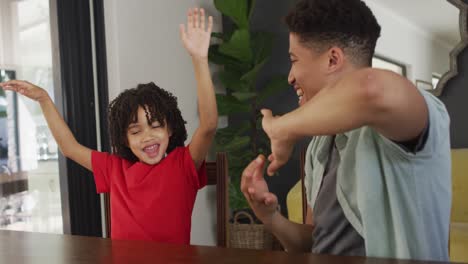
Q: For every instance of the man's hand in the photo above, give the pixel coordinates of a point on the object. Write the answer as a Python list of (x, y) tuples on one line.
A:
[(255, 189), (281, 145)]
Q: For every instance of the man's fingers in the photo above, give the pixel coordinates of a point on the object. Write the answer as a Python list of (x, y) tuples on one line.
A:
[(270, 199), (246, 181), (267, 198), (251, 193), (266, 112), (273, 167), (247, 195), (266, 121), (258, 171), (271, 157), (250, 169)]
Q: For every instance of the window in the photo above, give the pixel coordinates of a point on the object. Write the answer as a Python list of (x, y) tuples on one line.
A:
[(29, 171)]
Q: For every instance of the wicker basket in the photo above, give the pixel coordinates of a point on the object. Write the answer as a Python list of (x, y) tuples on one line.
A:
[(251, 236)]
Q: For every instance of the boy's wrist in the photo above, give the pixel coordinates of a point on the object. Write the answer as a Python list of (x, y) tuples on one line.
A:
[(200, 59), (45, 98)]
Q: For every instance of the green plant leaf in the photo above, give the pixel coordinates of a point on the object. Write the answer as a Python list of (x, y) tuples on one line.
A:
[(259, 123), (275, 85), (227, 131), (220, 35), (242, 55), (251, 76), (262, 44), (231, 81), (220, 141), (236, 198), (241, 158), (228, 104), (240, 128), (216, 57), (243, 97), (234, 9), (238, 46), (251, 7), (237, 143), (225, 135), (232, 131), (264, 141)]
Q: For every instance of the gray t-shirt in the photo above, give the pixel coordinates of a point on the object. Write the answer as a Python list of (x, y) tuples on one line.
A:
[(333, 234)]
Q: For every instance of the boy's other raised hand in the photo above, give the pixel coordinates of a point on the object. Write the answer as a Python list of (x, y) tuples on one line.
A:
[(196, 34), (25, 88)]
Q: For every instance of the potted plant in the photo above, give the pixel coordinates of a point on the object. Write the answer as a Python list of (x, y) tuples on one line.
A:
[(242, 54)]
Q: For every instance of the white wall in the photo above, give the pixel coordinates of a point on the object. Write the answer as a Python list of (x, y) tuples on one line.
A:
[(406, 43), (143, 45)]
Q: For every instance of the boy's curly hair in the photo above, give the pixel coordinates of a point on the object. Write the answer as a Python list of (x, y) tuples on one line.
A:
[(348, 24), (161, 105)]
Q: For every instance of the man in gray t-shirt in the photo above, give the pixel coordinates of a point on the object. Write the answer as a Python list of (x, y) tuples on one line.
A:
[(397, 202)]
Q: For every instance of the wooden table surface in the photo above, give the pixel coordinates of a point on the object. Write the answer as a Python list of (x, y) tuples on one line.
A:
[(23, 247)]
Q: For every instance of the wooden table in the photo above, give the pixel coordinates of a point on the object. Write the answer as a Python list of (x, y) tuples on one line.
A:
[(24, 247)]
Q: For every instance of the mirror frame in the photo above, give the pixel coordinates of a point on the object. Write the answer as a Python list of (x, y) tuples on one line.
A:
[(462, 5)]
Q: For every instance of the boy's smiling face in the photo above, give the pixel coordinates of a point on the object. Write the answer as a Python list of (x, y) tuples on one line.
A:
[(148, 141)]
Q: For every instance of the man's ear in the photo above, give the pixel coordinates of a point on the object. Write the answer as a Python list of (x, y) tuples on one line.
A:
[(336, 59)]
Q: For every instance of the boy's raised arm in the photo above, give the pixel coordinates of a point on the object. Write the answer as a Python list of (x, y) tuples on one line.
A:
[(60, 130), (196, 39)]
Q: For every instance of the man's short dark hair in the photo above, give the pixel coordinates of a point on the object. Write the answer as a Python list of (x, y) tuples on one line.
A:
[(348, 24)]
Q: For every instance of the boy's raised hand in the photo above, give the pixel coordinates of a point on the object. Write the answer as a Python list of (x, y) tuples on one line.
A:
[(25, 88), (196, 35)]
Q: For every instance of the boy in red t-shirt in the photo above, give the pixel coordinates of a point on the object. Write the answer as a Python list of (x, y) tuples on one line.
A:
[(152, 177)]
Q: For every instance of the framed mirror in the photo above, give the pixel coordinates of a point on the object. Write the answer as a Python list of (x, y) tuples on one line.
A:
[(423, 36), (462, 6)]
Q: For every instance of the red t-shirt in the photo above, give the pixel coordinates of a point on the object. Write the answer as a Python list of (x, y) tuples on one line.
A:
[(150, 202)]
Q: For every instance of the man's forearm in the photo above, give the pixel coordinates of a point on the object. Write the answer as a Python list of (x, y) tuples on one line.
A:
[(293, 236)]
